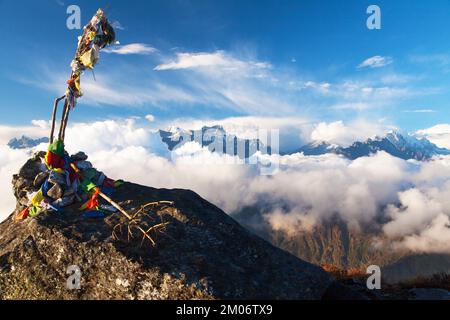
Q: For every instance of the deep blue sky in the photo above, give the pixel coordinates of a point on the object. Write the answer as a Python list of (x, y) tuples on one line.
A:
[(310, 49)]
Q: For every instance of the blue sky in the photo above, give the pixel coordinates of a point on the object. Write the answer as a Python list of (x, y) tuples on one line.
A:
[(218, 59)]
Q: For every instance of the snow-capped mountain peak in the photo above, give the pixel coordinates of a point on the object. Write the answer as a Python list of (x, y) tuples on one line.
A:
[(405, 146)]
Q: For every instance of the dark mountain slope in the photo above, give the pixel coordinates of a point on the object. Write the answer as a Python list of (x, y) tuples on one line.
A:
[(202, 253)]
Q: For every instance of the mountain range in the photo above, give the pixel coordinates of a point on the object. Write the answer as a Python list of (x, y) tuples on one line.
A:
[(401, 146), (25, 142), (215, 138)]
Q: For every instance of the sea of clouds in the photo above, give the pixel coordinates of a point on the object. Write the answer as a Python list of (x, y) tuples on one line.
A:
[(407, 201)]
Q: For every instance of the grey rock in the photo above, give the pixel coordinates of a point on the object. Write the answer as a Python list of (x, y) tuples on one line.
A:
[(55, 192), (100, 178), (23, 201), (57, 178), (39, 155), (21, 183), (79, 156), (84, 165), (65, 201), (30, 169), (40, 178), (69, 192)]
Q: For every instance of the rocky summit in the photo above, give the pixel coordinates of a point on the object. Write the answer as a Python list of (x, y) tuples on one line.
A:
[(199, 252)]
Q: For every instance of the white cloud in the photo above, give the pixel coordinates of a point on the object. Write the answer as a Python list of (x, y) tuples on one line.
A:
[(438, 134), (303, 192), (132, 48), (43, 124), (375, 62), (150, 118), (422, 222), (117, 25), (365, 94), (339, 133), (38, 129), (421, 111), (223, 80), (10, 162), (241, 85), (323, 87), (434, 238), (218, 59), (440, 59), (352, 106), (108, 89)]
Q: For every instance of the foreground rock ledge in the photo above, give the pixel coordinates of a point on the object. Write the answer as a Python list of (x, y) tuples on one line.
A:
[(203, 254)]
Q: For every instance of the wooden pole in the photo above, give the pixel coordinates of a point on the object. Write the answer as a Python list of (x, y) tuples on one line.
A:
[(64, 120), (104, 196), (55, 108), (114, 204)]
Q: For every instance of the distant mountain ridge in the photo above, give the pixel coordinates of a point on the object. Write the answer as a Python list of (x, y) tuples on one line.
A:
[(25, 142), (401, 146), (396, 144), (213, 137)]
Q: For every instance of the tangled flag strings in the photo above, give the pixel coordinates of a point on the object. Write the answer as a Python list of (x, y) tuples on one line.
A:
[(97, 34)]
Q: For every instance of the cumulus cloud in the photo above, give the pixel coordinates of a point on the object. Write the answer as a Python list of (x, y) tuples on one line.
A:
[(438, 134), (38, 129), (435, 237), (344, 134), (132, 48), (375, 62), (422, 221), (10, 163), (43, 124), (411, 197)]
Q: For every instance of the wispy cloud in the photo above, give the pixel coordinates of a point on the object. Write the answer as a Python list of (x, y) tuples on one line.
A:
[(420, 111), (132, 48), (117, 25), (375, 62), (441, 59), (109, 89), (231, 83), (218, 59)]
